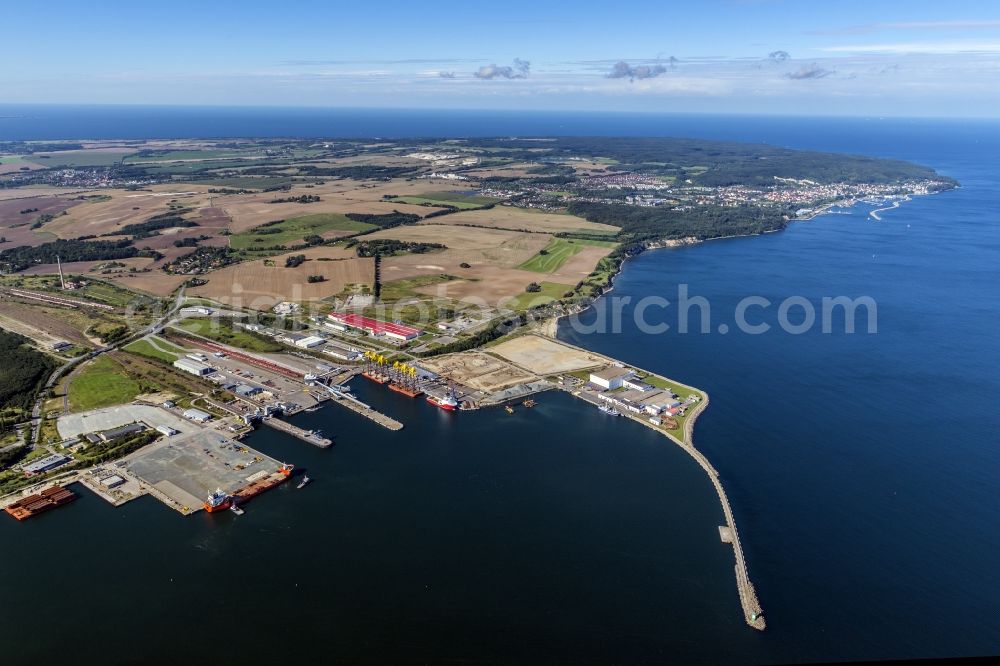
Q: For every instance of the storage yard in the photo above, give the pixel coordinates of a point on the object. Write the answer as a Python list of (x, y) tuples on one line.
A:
[(478, 371), (545, 356), (180, 469)]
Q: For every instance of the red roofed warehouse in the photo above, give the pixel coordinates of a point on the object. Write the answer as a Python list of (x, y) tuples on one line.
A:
[(376, 327)]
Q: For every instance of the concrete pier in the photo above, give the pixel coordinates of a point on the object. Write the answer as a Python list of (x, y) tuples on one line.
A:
[(295, 431), (347, 400)]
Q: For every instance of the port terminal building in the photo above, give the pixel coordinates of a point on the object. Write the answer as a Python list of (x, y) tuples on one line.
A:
[(398, 332)]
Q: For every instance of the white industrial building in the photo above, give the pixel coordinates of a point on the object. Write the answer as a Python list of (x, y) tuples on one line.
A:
[(610, 378), (342, 353), (166, 430), (112, 481), (45, 464), (310, 341), (636, 384), (197, 415), (193, 367)]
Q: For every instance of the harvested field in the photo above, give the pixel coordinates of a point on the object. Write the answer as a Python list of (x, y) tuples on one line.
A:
[(15, 225), (37, 191), (85, 267), (491, 286), (495, 247), (544, 356), (10, 210), (163, 241), (124, 207), (524, 219), (491, 254), (338, 196), (257, 285), (154, 282), (16, 164), (477, 370), (212, 217)]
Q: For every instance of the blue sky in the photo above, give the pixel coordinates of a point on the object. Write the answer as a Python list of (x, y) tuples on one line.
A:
[(910, 58)]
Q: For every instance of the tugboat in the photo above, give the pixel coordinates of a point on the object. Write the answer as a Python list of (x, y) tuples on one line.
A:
[(304, 481), (609, 410), (217, 501)]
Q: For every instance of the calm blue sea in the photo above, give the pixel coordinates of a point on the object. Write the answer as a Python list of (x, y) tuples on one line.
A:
[(862, 468)]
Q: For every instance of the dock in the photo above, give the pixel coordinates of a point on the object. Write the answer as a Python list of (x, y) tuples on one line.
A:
[(295, 431), (347, 400)]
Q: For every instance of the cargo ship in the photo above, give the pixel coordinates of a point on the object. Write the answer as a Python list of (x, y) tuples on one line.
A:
[(248, 492), (409, 391), (217, 501), (378, 379), (447, 402), (32, 505)]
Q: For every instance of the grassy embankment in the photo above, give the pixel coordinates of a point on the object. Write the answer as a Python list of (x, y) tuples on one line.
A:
[(550, 291), (222, 331), (146, 348), (558, 251), (102, 383)]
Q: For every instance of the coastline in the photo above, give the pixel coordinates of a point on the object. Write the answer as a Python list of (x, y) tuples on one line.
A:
[(752, 610)]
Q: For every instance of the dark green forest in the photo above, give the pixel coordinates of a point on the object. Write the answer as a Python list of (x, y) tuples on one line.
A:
[(22, 373), (647, 223), (19, 258)]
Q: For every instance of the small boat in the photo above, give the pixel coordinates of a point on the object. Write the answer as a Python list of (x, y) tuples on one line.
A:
[(529, 403), (237, 510), (510, 410), (609, 410), (304, 481)]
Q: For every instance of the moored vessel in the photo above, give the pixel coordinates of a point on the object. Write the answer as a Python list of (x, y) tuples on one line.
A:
[(259, 485), (447, 402), (32, 505), (409, 391), (217, 501), (609, 410)]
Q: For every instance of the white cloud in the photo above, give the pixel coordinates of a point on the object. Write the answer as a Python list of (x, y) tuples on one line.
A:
[(957, 47), (974, 24)]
